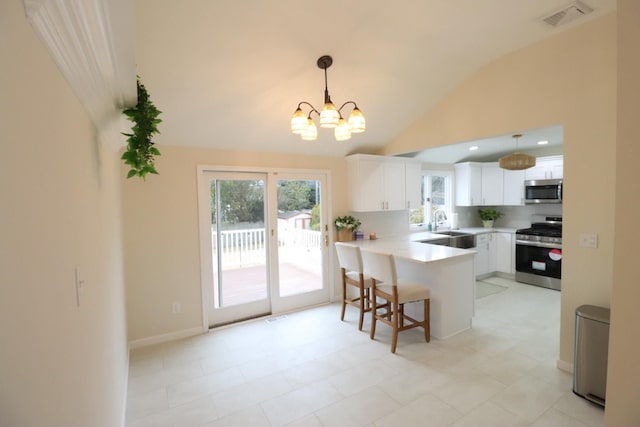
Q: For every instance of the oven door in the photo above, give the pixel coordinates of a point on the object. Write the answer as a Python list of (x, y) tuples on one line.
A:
[(539, 263)]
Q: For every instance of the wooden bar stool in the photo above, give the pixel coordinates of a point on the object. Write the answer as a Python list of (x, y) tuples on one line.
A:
[(353, 275), (382, 269)]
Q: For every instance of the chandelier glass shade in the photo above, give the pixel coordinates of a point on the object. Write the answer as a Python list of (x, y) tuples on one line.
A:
[(517, 161), (330, 116)]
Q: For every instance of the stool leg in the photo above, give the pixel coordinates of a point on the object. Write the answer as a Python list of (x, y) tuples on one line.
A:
[(362, 297), (374, 310), (395, 319), (427, 320), (344, 294)]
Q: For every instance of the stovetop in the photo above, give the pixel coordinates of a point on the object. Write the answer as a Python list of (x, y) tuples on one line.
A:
[(548, 231)]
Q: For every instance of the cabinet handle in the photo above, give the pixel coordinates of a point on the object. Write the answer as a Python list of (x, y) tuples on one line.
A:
[(382, 205)]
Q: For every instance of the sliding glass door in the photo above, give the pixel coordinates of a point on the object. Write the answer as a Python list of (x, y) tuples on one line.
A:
[(263, 243)]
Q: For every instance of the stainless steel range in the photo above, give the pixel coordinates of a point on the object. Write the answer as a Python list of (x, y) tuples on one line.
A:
[(539, 253)]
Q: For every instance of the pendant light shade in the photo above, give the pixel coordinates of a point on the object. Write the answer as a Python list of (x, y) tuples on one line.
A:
[(517, 161), (356, 121), (342, 132), (330, 117), (310, 132), (298, 121)]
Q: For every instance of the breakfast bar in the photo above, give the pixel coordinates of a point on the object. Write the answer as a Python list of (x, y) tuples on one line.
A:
[(448, 272)]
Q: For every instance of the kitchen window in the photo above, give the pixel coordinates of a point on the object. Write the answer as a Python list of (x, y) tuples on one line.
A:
[(436, 198)]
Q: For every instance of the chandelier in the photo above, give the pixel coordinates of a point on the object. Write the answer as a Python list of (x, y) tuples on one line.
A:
[(330, 116), (517, 161)]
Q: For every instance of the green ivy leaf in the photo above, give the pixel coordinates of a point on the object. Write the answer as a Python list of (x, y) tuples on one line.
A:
[(140, 150)]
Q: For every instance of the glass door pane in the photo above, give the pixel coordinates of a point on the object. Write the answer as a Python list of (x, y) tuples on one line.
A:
[(301, 249), (239, 246)]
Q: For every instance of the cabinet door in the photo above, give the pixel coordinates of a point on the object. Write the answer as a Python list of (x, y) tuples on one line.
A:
[(556, 168), (486, 254), (492, 184), (482, 255), (413, 184), (493, 252), (539, 171), (468, 184), (394, 186), (505, 252), (513, 188), (546, 168), (369, 186)]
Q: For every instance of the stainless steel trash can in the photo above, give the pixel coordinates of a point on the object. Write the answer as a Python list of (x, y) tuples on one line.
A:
[(591, 351)]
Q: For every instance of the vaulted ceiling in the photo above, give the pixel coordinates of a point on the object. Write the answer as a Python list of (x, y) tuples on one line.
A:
[(229, 74)]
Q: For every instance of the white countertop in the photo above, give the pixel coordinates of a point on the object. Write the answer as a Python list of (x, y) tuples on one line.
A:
[(408, 246)]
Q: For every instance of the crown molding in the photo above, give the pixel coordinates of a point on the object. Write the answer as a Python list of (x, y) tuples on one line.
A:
[(92, 43)]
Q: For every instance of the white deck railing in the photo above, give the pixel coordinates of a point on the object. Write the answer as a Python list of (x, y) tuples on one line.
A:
[(240, 248)]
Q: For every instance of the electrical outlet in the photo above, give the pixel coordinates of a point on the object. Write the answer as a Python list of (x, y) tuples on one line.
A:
[(589, 240), (176, 308)]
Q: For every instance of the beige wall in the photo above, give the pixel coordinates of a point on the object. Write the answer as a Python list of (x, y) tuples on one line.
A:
[(162, 254), (60, 365), (569, 79), (623, 385)]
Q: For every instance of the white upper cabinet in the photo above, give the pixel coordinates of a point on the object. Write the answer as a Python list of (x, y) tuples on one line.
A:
[(479, 184), (513, 186), (394, 186), (413, 184), (492, 184), (546, 168), (468, 184), (486, 184), (380, 183)]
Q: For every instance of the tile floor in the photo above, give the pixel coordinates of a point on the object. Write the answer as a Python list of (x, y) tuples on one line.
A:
[(310, 369)]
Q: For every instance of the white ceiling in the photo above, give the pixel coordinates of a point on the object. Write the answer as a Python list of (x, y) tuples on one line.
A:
[(491, 149), (228, 74)]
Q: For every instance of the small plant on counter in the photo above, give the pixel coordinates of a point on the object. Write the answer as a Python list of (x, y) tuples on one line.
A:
[(347, 222), (489, 214)]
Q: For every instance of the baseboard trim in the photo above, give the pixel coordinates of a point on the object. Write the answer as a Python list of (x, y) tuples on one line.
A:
[(565, 366), (172, 336)]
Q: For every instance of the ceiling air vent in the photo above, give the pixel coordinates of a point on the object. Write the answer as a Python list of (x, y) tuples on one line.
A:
[(569, 13)]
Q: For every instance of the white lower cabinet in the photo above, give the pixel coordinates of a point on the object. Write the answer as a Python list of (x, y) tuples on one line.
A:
[(505, 252), (486, 254)]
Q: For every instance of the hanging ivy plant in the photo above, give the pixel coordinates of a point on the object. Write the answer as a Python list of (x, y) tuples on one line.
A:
[(140, 153)]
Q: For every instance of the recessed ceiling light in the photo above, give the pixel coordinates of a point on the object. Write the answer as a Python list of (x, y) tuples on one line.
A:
[(473, 148), (543, 142)]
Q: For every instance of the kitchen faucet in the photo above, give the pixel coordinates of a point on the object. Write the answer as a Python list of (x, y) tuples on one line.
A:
[(443, 216)]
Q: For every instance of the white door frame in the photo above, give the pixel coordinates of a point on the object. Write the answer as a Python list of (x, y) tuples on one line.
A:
[(206, 273)]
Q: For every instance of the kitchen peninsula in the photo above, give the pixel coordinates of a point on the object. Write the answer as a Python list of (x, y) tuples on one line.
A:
[(448, 272)]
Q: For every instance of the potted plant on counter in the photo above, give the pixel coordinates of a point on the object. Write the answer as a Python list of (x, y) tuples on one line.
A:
[(346, 226), (488, 216)]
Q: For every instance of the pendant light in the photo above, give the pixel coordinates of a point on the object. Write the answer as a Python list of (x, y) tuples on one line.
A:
[(517, 161), (330, 116)]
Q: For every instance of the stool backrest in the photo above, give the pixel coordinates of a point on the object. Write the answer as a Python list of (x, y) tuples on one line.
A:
[(349, 257), (381, 267)]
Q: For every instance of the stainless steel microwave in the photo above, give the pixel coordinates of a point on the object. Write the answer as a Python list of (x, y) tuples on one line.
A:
[(542, 191)]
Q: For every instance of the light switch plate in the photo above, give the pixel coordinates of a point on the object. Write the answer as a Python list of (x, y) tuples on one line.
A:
[(589, 240)]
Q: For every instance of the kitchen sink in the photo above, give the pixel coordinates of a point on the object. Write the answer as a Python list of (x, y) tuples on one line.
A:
[(456, 239), (453, 233)]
